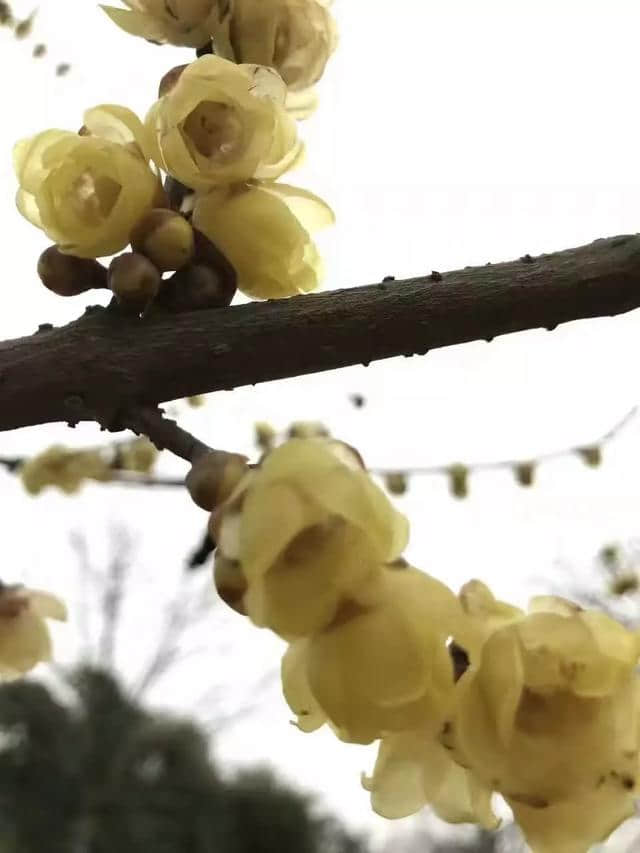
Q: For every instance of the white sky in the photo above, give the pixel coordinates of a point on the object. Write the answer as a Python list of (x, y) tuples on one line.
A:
[(450, 133)]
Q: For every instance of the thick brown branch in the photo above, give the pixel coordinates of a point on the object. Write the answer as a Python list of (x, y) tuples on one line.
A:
[(107, 363)]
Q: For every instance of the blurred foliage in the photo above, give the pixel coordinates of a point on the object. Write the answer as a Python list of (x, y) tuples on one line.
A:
[(102, 774)]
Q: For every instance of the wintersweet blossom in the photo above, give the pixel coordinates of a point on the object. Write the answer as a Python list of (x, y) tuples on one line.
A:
[(308, 530), (87, 191), (383, 665), (265, 232), (222, 123), (24, 636), (187, 23), (296, 37), (549, 717)]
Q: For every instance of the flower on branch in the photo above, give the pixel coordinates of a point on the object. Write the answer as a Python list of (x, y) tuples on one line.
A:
[(67, 469), (308, 529), (221, 123), (24, 636), (187, 23), (264, 229), (86, 191), (549, 718), (296, 37)]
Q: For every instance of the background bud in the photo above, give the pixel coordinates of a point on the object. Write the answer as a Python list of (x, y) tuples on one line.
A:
[(214, 476), (165, 237), (134, 280), (459, 481), (67, 275), (396, 482)]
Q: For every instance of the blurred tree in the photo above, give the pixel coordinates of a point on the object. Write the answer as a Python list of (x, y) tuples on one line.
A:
[(99, 774)]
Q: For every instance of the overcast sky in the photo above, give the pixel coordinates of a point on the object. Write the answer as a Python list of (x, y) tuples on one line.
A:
[(450, 133)]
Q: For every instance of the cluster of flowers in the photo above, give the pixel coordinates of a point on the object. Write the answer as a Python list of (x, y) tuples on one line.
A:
[(222, 131), (67, 469), (469, 696)]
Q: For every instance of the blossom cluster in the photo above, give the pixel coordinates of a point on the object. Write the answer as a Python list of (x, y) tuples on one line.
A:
[(222, 132), (469, 697)]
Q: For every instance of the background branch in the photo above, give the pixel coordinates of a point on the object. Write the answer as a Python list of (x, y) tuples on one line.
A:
[(106, 363)]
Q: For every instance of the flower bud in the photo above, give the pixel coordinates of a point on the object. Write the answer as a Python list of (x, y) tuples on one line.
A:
[(459, 481), (525, 473), (165, 237), (67, 275), (265, 436), (134, 280), (591, 456), (197, 287), (214, 476), (230, 582), (396, 482), (170, 79)]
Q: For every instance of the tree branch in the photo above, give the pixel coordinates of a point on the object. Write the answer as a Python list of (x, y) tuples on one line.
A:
[(107, 364)]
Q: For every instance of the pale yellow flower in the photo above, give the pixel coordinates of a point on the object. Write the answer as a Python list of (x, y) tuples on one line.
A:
[(87, 192), (414, 770), (187, 23), (264, 231), (549, 716), (64, 468), (296, 37), (138, 455), (309, 528), (574, 826), (24, 636), (383, 665), (222, 123)]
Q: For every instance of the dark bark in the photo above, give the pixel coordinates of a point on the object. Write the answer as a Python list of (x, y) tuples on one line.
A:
[(103, 364)]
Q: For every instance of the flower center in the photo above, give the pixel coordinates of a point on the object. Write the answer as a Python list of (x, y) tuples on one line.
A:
[(214, 130), (93, 198)]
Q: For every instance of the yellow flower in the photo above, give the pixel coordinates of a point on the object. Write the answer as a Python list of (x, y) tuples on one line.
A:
[(296, 690), (86, 192), (24, 636), (308, 528), (64, 468), (187, 23), (414, 770), (139, 455), (264, 231), (221, 123), (296, 37), (574, 826), (549, 718), (382, 665)]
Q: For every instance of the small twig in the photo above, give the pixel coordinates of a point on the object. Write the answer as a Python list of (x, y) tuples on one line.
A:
[(163, 432)]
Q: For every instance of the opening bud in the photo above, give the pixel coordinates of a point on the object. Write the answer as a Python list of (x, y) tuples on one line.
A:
[(165, 237), (134, 280), (67, 275)]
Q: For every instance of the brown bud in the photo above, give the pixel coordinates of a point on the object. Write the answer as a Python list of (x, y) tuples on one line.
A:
[(214, 476), (396, 482), (459, 481), (591, 456), (67, 275), (170, 79), (525, 473), (230, 582), (196, 287), (165, 237), (134, 281)]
